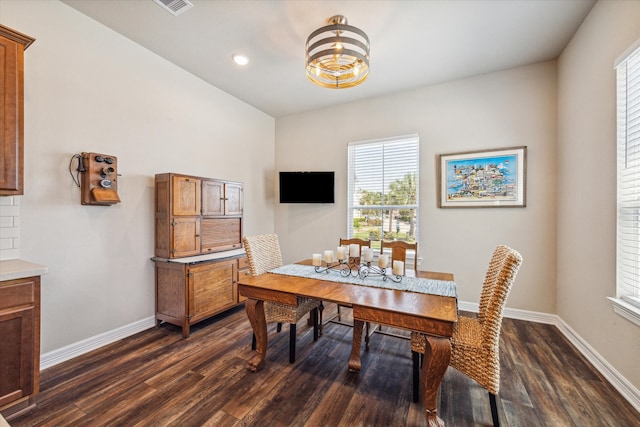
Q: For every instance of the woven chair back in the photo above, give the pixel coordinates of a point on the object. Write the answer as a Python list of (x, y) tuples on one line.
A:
[(263, 253), (490, 279), (500, 276)]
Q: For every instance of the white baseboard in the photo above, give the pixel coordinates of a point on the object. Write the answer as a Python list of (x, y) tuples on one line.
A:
[(620, 383), (81, 347)]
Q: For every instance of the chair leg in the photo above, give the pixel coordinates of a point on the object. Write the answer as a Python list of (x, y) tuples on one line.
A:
[(253, 341), (292, 343), (367, 334), (416, 375), (494, 410), (314, 316), (339, 312)]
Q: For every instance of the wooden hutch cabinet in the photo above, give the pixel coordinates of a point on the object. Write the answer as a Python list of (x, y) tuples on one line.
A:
[(12, 46), (196, 215), (19, 343), (198, 247)]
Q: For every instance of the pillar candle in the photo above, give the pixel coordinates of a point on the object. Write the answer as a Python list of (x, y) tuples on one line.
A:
[(328, 256), (342, 253), (367, 254), (317, 260), (398, 268), (383, 261), (354, 251)]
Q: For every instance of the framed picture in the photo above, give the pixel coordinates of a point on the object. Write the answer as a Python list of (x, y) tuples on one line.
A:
[(490, 178)]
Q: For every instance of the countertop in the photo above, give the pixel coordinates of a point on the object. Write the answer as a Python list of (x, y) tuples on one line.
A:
[(204, 257), (18, 269)]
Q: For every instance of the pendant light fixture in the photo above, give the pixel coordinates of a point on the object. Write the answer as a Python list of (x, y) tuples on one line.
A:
[(337, 55)]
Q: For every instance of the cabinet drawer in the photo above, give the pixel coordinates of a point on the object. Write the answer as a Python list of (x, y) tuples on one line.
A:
[(243, 263), (15, 293)]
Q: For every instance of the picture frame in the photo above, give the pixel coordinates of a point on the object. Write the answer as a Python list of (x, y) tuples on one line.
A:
[(483, 179)]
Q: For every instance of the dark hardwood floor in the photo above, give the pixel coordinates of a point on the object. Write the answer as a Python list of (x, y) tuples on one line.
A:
[(156, 378)]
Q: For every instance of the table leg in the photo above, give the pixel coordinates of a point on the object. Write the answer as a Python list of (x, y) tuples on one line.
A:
[(436, 359), (255, 313), (356, 345)]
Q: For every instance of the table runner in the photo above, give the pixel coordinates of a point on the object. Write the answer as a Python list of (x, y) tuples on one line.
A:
[(413, 284)]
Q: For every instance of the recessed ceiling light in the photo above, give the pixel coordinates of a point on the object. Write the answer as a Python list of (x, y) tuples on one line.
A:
[(240, 59)]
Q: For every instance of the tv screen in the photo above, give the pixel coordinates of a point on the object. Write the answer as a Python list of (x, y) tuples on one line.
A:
[(307, 187)]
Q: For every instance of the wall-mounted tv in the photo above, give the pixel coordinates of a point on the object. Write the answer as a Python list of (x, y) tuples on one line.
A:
[(307, 187)]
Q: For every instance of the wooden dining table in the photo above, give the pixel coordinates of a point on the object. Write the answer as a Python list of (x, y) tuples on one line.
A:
[(432, 315)]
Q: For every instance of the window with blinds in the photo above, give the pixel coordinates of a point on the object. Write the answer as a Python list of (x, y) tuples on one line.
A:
[(383, 189), (628, 185)]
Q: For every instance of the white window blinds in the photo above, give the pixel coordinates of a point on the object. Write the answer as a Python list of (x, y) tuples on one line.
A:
[(628, 224), (383, 188)]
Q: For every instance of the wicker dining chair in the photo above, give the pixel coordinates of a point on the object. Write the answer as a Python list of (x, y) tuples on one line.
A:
[(263, 254), (475, 343)]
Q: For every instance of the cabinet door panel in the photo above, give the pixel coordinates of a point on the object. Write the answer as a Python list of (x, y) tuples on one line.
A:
[(16, 354), (11, 143), (221, 234), (186, 196), (212, 288), (171, 298), (186, 236), (233, 199), (212, 198)]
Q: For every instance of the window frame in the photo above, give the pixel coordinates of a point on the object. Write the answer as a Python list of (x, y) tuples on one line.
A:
[(352, 191), (627, 300)]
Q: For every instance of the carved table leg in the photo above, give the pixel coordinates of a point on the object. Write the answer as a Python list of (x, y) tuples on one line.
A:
[(436, 359), (255, 313), (356, 344)]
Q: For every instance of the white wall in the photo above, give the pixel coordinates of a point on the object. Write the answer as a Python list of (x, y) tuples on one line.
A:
[(587, 183), (511, 108), (90, 89)]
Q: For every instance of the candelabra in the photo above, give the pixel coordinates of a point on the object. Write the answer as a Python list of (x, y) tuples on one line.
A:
[(367, 270), (343, 266)]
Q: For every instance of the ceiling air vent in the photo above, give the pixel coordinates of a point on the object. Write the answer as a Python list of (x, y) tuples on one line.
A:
[(175, 7)]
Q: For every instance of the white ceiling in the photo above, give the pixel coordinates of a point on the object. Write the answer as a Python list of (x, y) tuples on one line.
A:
[(413, 43)]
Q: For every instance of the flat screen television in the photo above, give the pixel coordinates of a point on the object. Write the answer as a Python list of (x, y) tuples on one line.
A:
[(307, 187)]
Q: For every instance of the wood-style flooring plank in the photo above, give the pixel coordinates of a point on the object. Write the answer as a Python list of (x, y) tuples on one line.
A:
[(157, 378)]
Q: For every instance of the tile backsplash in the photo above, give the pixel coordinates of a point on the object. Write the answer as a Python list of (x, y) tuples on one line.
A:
[(9, 227)]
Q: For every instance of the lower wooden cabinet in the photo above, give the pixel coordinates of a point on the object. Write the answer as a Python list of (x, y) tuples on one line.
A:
[(19, 344), (187, 293)]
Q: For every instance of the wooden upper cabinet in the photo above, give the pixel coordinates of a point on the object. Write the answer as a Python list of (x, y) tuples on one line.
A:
[(186, 195), (233, 199), (195, 215), (12, 46), (221, 198), (185, 237), (212, 198)]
